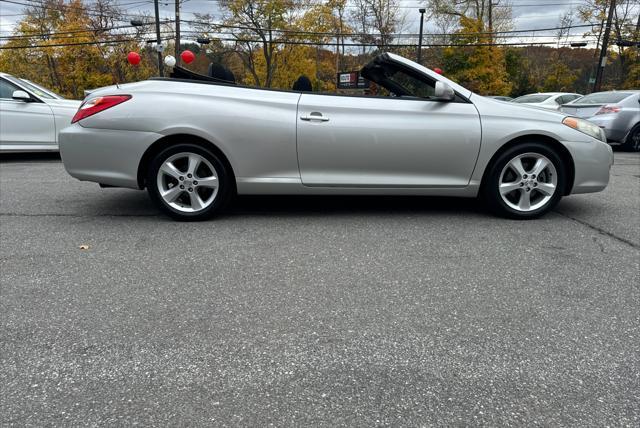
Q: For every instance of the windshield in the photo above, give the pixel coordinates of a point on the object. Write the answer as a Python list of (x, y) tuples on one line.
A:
[(532, 98), (36, 89), (40, 91), (603, 98), (390, 79)]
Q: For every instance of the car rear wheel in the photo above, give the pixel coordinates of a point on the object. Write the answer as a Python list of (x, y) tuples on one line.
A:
[(188, 182), (525, 182), (633, 140)]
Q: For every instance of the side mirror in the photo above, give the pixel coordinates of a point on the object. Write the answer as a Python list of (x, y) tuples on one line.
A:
[(21, 96), (444, 92)]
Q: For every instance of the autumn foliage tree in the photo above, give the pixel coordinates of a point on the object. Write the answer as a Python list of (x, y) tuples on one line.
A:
[(480, 66), (73, 45), (63, 46)]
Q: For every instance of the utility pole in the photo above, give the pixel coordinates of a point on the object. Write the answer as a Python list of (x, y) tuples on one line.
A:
[(177, 32), (158, 39), (422, 11), (317, 68), (637, 37), (338, 53), (490, 15), (603, 52), (491, 21)]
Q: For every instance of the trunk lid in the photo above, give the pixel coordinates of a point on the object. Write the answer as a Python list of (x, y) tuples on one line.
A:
[(581, 110)]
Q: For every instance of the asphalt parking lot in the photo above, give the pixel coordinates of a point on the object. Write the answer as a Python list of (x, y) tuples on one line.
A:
[(324, 311)]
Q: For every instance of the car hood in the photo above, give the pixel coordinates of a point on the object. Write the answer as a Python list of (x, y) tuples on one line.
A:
[(581, 110)]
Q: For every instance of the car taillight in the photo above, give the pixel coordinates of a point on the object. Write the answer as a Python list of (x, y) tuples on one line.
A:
[(608, 109), (98, 104)]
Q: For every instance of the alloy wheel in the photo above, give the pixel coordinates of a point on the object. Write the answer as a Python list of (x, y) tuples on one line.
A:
[(528, 182), (187, 182)]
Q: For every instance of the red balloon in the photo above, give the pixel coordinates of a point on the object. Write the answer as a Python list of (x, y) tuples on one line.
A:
[(187, 56), (133, 58), (438, 70)]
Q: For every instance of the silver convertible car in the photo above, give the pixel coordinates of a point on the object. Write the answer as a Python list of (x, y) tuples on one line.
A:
[(194, 143)]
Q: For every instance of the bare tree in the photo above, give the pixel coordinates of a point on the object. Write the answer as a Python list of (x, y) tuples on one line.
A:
[(376, 21), (495, 15), (564, 28), (258, 28)]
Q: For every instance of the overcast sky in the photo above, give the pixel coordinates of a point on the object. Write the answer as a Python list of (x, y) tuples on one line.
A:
[(528, 14)]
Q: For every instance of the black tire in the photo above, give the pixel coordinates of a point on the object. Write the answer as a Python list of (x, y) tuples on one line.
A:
[(490, 188), (219, 199), (632, 144)]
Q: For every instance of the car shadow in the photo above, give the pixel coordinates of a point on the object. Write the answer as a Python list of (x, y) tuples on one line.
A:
[(30, 157), (345, 205), (126, 202)]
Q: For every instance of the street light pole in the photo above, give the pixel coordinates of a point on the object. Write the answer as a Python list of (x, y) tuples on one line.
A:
[(491, 19), (422, 11), (177, 32), (603, 52), (158, 40)]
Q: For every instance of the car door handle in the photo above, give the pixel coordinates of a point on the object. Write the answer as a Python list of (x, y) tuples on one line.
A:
[(314, 116)]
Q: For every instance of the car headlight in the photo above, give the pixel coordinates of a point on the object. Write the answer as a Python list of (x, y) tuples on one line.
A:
[(585, 127)]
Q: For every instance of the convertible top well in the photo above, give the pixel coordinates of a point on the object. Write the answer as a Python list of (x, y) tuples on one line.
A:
[(182, 73)]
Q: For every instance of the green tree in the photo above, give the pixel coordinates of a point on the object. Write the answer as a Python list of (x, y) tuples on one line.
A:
[(518, 69), (560, 78), (481, 68)]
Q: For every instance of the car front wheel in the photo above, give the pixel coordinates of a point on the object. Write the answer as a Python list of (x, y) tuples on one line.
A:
[(525, 182), (188, 182)]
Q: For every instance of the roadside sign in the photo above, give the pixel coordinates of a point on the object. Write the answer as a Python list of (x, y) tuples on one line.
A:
[(352, 80)]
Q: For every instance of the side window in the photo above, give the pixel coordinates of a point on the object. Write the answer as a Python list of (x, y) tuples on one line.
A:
[(7, 89), (413, 86)]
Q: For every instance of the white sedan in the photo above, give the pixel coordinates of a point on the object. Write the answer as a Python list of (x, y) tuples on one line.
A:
[(550, 100), (31, 116)]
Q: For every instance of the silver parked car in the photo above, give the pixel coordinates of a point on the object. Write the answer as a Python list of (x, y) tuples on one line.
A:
[(31, 116), (550, 100), (617, 112), (193, 144)]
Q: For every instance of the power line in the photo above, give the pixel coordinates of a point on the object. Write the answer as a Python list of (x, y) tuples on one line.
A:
[(87, 10), (81, 33), (64, 33), (53, 45), (286, 42), (332, 34), (301, 33), (398, 35)]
